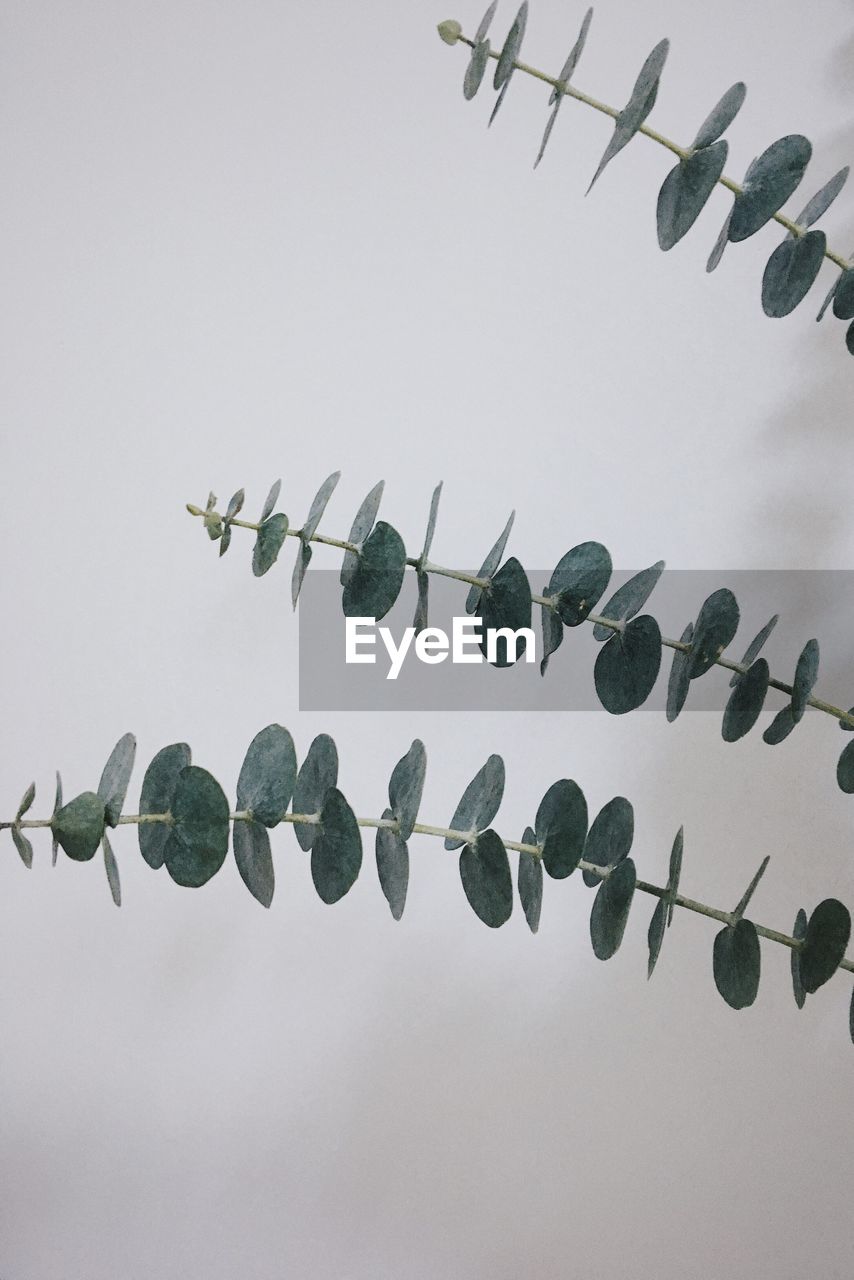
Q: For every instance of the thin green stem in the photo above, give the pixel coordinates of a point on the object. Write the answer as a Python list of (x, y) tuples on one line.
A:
[(569, 90), (450, 833)]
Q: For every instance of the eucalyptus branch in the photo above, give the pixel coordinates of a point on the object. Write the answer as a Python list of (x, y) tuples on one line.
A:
[(768, 182), (186, 824), (629, 662)]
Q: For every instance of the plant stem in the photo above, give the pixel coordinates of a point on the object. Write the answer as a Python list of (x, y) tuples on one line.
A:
[(448, 833), (569, 90), (595, 619)]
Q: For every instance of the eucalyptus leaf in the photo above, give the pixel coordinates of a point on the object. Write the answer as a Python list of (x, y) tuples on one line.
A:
[(79, 826), (685, 190), (674, 873), (26, 801), (157, 796), (268, 776), (113, 786), (485, 22), (476, 69), (827, 936), (317, 776), (488, 884), (780, 727), (112, 869), (744, 901), (791, 272), (736, 963), (362, 525), (336, 853), (557, 95), (806, 674), (198, 839), (746, 701), (845, 769), (768, 183), (270, 501), (421, 618), (627, 666), (406, 786), (849, 338), (530, 882), (480, 801), (822, 200), (318, 506), (225, 539), (720, 244), (629, 599), (490, 564), (843, 295), (561, 827), (23, 845), (268, 543), (720, 117), (509, 53), (799, 932), (374, 583), (302, 562), (716, 625), (611, 908), (392, 866), (431, 524), (753, 650), (57, 805), (552, 634), (680, 676), (254, 859), (579, 581), (610, 837), (655, 934), (638, 107), (506, 604)]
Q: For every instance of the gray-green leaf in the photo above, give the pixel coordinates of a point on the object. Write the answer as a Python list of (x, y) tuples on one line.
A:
[(720, 117), (530, 882), (405, 787), (267, 776), (374, 583), (611, 909), (629, 599), (827, 935), (799, 932), (268, 543), (79, 826), (488, 884), (480, 801), (746, 701), (392, 866), (254, 859), (627, 666), (638, 107), (680, 676), (157, 795), (610, 837), (768, 183), (198, 839), (752, 651), (736, 963), (113, 786), (336, 853), (579, 580), (806, 674), (506, 604), (685, 190), (791, 272), (318, 774), (561, 827), (23, 845), (112, 869), (490, 564), (362, 525)]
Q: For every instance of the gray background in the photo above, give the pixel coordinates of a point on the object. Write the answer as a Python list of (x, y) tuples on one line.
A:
[(243, 240)]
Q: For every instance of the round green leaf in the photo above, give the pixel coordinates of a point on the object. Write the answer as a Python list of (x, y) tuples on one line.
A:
[(717, 623), (827, 935), (79, 826), (270, 501), (198, 840), (488, 884), (490, 564), (843, 295), (754, 648), (254, 859), (363, 523), (336, 854), (768, 183), (720, 117), (405, 787), (822, 200), (611, 909), (610, 837), (112, 869), (318, 506), (799, 931), (806, 674), (561, 827), (638, 107), (845, 769), (579, 581), (392, 866), (23, 846), (268, 775), (480, 801), (780, 727), (791, 272), (685, 191), (655, 934), (113, 786), (746, 701), (475, 70), (318, 773), (158, 792), (530, 883), (627, 666), (268, 543), (506, 603), (629, 599), (374, 583), (736, 963), (680, 676)]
